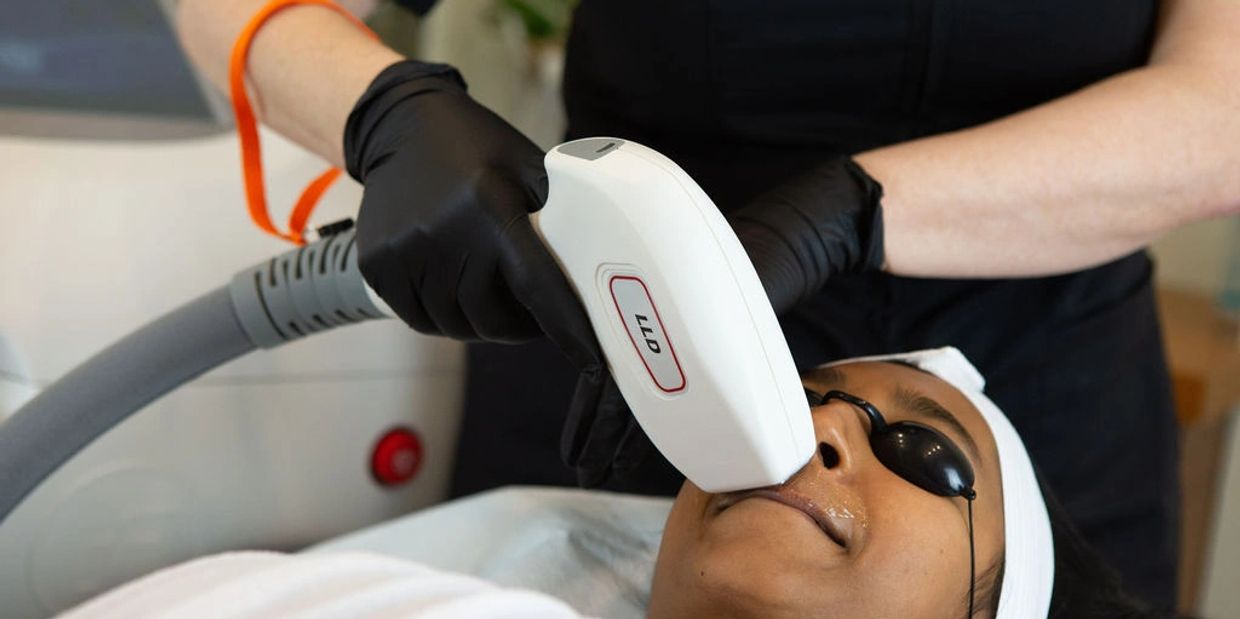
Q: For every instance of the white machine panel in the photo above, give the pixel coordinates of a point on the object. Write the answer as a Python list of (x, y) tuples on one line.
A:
[(272, 451)]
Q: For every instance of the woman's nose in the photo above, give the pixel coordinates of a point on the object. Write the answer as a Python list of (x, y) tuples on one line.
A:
[(829, 456), (842, 440)]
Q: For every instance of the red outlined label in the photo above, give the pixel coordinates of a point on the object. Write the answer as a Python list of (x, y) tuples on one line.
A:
[(645, 329)]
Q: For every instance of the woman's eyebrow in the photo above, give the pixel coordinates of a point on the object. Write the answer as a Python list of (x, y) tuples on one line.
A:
[(919, 404), (826, 377)]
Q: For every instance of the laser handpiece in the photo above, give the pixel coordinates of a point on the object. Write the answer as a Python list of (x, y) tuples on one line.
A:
[(684, 322)]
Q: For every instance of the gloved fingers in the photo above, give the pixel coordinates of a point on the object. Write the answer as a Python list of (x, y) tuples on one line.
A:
[(634, 446), (411, 310), (777, 265), (537, 185), (538, 283), (592, 428), (582, 411), (634, 449), (483, 293), (491, 309), (437, 290), (599, 451), (825, 221), (375, 259)]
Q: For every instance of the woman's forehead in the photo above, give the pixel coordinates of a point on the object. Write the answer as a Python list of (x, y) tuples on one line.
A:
[(884, 378)]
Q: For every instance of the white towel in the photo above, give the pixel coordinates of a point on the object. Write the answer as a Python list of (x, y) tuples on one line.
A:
[(245, 585)]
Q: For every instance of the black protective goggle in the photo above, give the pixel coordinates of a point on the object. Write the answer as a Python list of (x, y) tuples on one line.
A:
[(918, 454)]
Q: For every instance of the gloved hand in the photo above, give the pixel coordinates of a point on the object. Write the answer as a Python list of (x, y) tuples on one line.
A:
[(444, 234), (821, 223), (824, 222)]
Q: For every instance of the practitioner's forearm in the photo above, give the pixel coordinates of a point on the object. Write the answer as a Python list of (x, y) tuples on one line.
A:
[(1080, 180), (307, 66)]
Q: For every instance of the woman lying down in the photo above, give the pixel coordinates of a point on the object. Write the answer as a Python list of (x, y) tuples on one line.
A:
[(877, 524)]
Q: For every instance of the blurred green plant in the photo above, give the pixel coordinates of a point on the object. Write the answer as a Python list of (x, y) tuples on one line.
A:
[(544, 19)]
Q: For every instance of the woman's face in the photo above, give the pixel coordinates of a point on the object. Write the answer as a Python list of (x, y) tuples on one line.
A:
[(871, 545)]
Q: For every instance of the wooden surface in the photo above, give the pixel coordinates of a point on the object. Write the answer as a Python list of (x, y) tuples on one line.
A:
[(1203, 350)]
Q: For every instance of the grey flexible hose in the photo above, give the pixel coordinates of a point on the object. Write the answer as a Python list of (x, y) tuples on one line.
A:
[(110, 386), (300, 292)]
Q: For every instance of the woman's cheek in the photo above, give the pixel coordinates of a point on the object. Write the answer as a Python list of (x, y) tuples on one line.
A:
[(917, 553)]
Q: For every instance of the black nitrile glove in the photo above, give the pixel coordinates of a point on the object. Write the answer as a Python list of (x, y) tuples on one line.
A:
[(601, 438), (444, 234), (824, 222)]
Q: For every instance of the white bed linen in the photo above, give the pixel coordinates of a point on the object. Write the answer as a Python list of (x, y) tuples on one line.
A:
[(514, 553), (594, 550), (263, 585)]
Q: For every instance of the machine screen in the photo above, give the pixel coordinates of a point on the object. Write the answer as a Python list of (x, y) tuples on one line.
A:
[(118, 56)]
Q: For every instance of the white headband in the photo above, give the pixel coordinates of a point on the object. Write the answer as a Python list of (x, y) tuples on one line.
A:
[(1029, 553)]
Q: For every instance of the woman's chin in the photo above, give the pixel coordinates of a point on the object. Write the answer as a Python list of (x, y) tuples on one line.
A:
[(754, 554)]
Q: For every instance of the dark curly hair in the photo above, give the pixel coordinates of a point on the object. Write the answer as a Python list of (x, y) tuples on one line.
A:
[(1086, 587)]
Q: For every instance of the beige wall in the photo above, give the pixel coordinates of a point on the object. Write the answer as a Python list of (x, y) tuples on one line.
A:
[(1195, 257), (490, 48)]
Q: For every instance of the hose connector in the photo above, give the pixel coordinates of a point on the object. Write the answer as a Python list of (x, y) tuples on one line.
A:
[(306, 290)]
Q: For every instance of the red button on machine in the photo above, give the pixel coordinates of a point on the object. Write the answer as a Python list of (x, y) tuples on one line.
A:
[(397, 457)]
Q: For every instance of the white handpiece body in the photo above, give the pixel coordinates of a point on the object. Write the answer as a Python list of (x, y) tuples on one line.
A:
[(688, 332)]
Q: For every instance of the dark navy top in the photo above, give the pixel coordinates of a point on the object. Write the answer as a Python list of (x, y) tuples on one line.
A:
[(837, 76)]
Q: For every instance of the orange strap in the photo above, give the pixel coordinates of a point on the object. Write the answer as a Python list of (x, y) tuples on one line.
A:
[(247, 129)]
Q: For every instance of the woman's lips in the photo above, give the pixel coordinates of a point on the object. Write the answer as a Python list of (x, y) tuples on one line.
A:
[(838, 532)]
